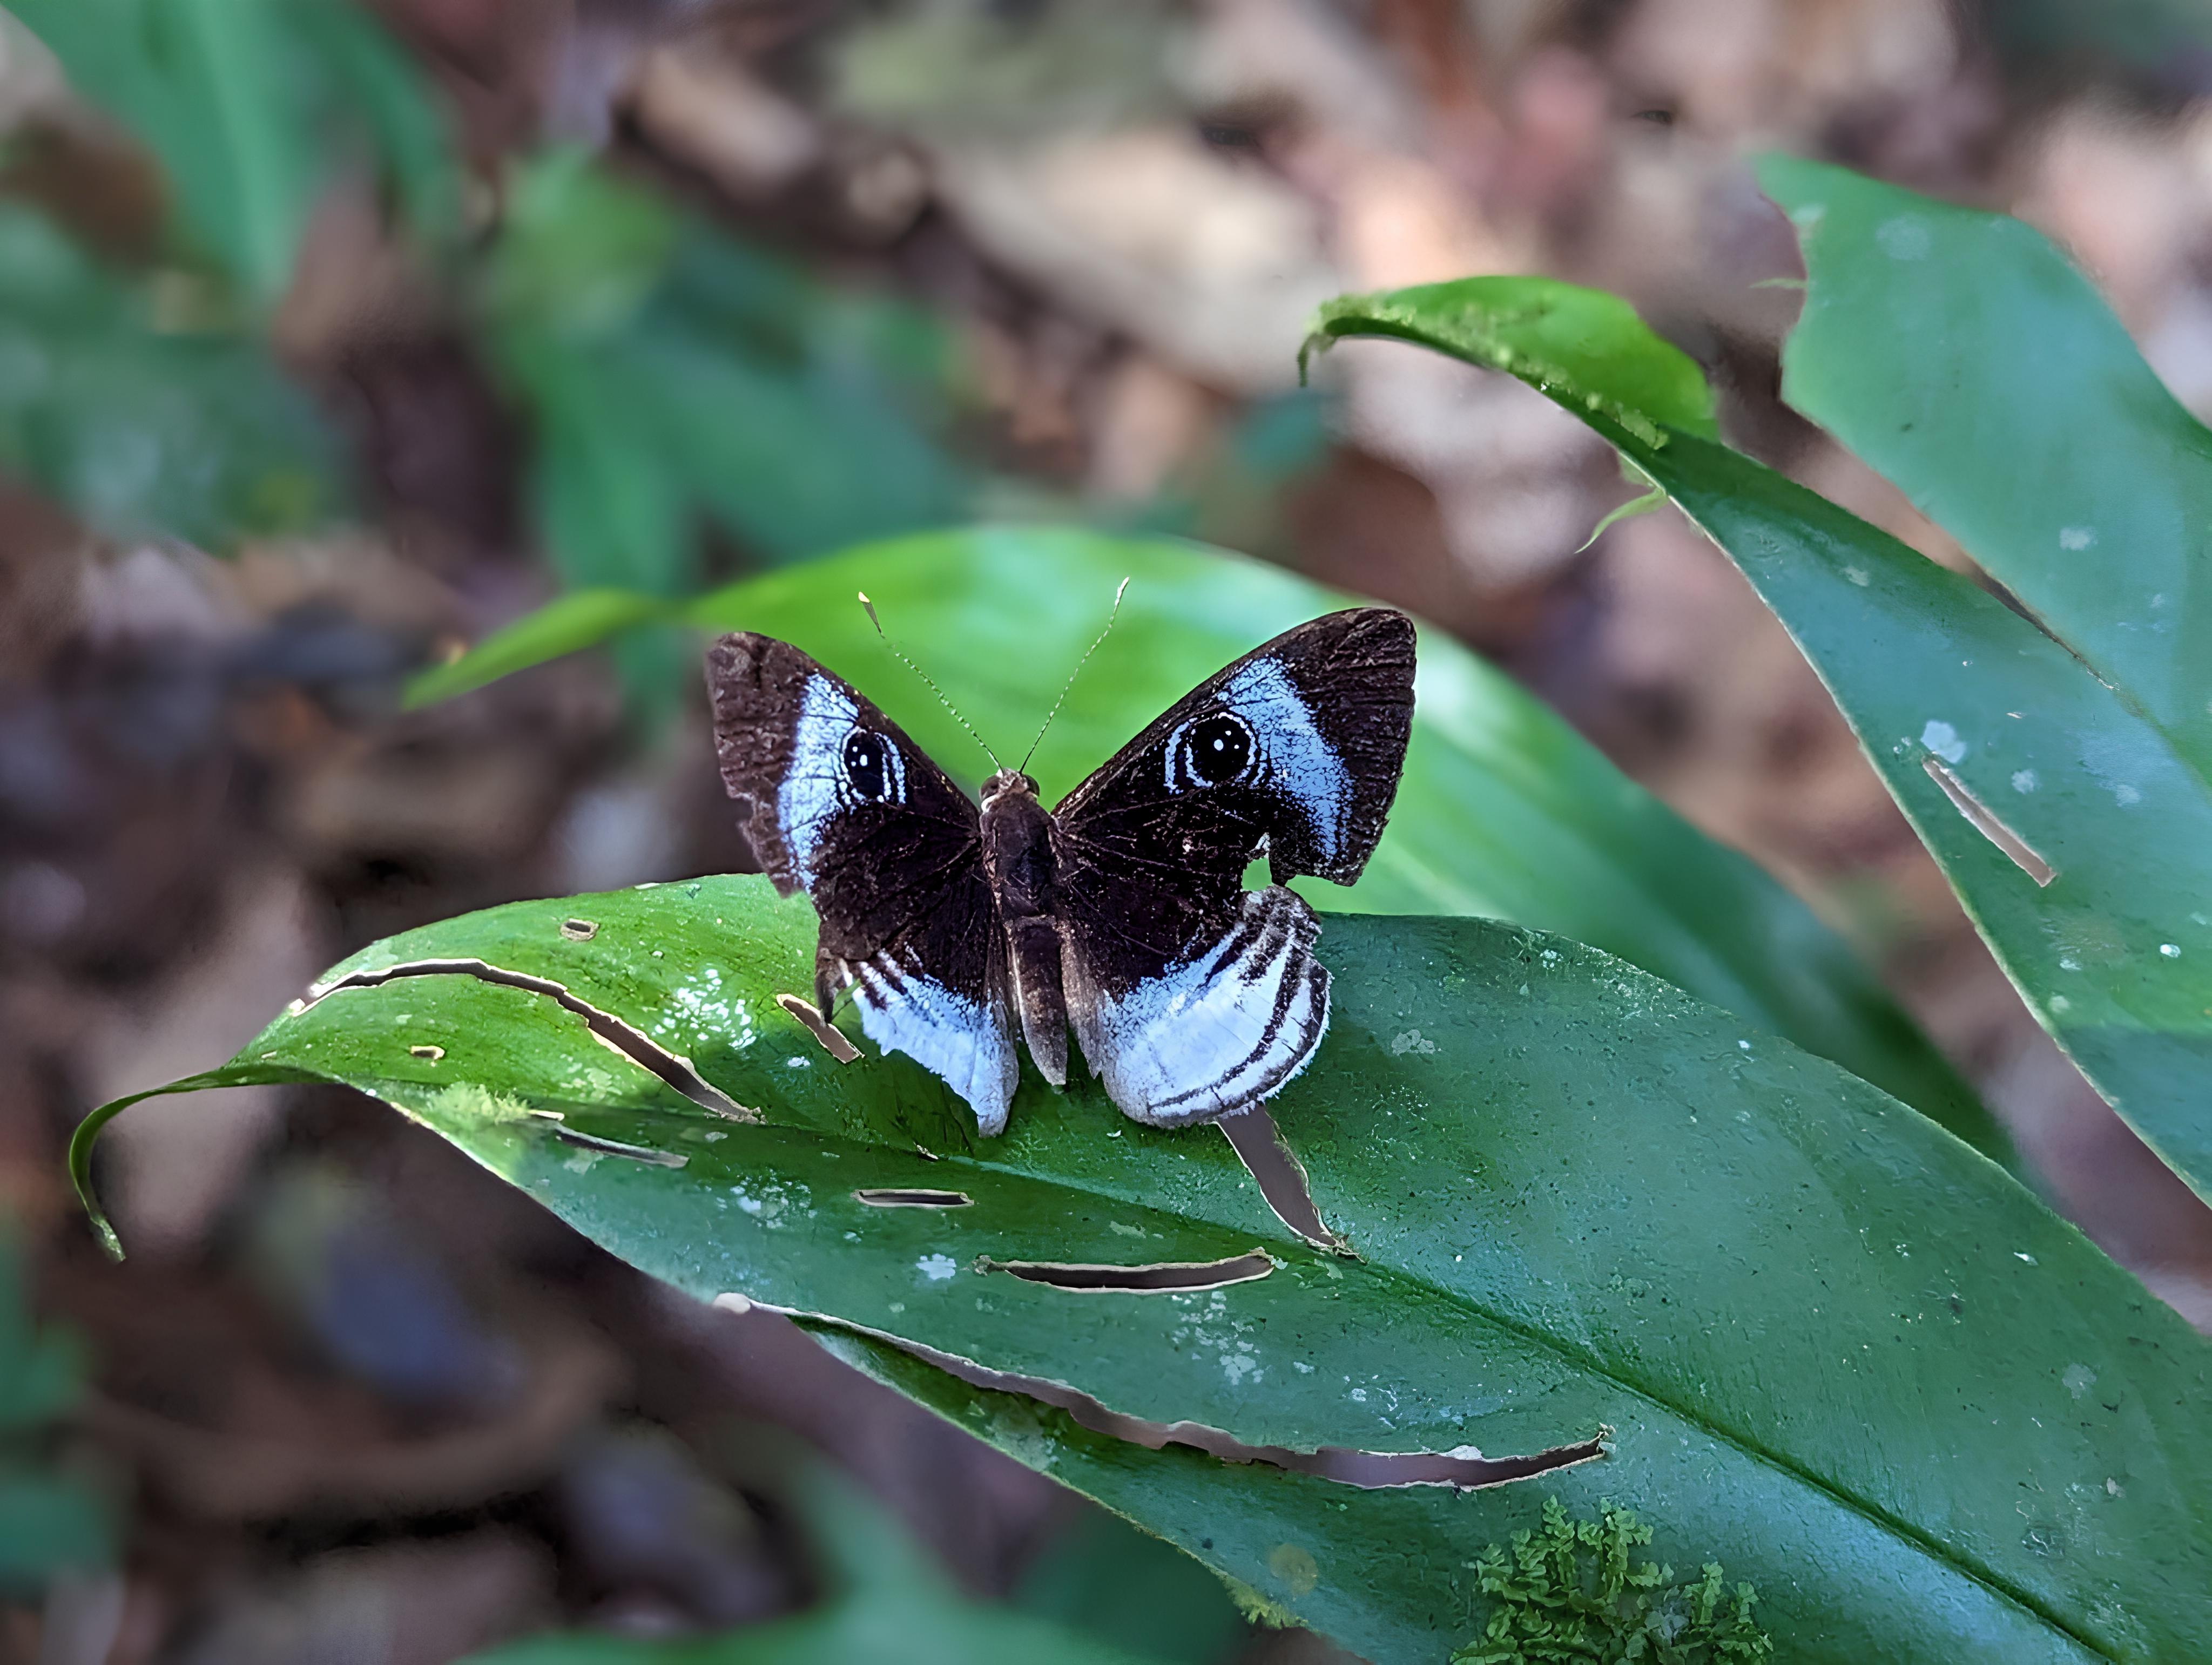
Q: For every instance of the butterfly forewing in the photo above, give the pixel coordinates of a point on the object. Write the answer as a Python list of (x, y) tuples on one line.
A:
[(845, 806)]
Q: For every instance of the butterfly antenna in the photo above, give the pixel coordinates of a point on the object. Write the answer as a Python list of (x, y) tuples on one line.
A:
[(925, 682), (1072, 675)]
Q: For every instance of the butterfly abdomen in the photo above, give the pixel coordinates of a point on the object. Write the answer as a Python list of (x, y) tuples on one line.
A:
[(1017, 856)]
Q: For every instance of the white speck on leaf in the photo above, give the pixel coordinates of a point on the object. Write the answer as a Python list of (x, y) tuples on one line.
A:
[(1857, 575), (2024, 780), (1942, 739), (2022, 1255), (2124, 795), (2077, 537), (2171, 950), (2078, 1379), (937, 1268), (1905, 238), (1412, 1041)]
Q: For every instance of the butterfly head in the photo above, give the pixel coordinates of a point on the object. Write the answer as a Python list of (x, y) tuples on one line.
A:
[(1008, 782)]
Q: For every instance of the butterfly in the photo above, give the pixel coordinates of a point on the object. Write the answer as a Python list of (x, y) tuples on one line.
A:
[(1121, 912)]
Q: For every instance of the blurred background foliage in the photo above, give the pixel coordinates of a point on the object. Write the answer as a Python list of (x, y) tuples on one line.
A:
[(335, 336)]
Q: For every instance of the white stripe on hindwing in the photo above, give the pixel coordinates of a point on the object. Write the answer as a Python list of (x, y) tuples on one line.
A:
[(1288, 751), (960, 1041), (1215, 1032)]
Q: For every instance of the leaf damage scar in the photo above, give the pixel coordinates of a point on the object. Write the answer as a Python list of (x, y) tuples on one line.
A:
[(1280, 1175), (609, 1031), (833, 1042), (646, 1154), (913, 1197), (1172, 1275), (1463, 1468), (1985, 822)]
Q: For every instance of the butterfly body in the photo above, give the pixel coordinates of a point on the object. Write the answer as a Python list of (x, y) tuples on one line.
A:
[(1018, 860), (1121, 912)]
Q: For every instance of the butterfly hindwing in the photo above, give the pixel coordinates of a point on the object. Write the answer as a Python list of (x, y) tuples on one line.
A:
[(845, 806), (1210, 1034), (1190, 997)]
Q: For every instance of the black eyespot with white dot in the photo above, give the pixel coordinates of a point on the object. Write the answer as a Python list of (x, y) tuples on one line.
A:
[(874, 771), (1216, 750)]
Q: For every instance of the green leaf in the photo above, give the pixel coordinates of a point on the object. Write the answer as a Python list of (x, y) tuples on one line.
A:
[(885, 1601), (673, 375), (140, 428), (1821, 1342), (2074, 479), (1503, 809), (50, 1523), (580, 618), (2068, 473), (250, 106), (1087, 1575), (2069, 809), (1585, 347)]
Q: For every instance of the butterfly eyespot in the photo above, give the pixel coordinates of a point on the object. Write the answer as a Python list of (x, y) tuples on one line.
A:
[(1213, 751), (870, 768)]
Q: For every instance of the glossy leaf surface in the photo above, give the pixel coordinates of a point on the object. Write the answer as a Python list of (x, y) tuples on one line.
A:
[(1504, 810), (2075, 826), (2077, 481), (1822, 1342)]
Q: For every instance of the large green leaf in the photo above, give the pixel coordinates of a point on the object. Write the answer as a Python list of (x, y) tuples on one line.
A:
[(251, 105), (1504, 810), (2056, 775), (1814, 1337), (2077, 481)]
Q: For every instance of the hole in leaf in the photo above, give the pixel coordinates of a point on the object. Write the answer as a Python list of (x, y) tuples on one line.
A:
[(659, 1159), (609, 1031), (833, 1042), (432, 1053), (1463, 1468), (914, 1199), (1278, 1174), (579, 930), (1164, 1275), (1986, 823)]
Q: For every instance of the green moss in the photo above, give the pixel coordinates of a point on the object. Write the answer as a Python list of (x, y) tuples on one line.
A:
[(1257, 1608), (1572, 1591)]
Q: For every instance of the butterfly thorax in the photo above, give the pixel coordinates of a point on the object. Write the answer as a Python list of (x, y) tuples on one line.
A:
[(1018, 860)]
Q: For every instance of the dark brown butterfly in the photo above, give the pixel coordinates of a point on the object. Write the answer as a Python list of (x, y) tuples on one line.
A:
[(1122, 911)]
